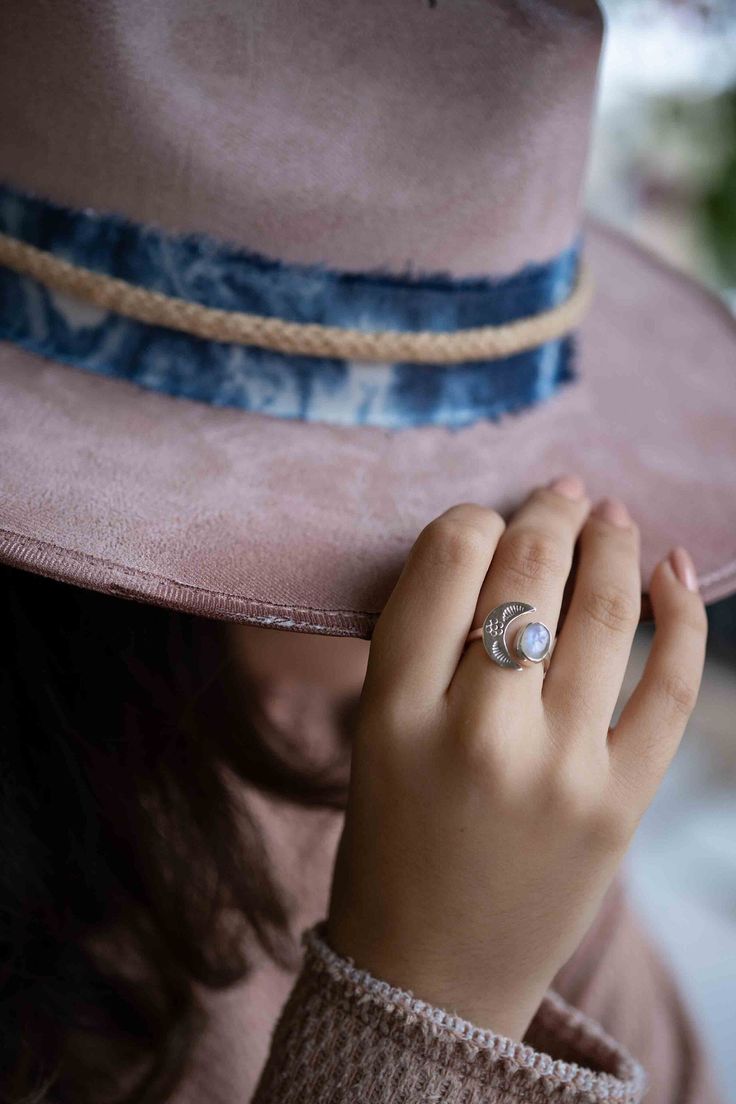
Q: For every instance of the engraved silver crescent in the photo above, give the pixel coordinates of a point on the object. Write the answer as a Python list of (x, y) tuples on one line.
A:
[(532, 645)]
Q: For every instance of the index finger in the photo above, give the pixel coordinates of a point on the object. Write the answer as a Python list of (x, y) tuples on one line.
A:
[(419, 637)]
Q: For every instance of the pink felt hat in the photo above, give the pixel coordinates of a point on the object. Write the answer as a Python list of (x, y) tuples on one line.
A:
[(280, 282)]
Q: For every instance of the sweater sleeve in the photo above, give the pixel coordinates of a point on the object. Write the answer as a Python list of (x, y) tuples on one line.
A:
[(346, 1037)]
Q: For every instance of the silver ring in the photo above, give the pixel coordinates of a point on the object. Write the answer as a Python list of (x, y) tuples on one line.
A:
[(532, 642)]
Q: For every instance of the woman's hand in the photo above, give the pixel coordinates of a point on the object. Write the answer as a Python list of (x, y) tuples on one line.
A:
[(489, 809)]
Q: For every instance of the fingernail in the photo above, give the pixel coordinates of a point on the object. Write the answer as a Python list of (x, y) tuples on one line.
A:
[(684, 568), (613, 511), (570, 486)]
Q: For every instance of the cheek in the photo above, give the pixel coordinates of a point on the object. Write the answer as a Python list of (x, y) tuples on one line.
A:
[(335, 664)]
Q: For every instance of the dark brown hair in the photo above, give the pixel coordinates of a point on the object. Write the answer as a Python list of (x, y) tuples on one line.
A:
[(130, 868)]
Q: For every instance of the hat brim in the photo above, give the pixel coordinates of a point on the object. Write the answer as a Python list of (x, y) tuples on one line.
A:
[(303, 526)]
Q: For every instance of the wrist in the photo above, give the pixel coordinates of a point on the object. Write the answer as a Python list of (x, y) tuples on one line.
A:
[(508, 1015), (473, 995)]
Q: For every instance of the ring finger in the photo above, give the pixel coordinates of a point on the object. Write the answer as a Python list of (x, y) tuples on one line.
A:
[(593, 650), (531, 564)]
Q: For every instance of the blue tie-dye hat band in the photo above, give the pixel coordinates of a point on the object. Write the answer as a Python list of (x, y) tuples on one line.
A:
[(196, 318)]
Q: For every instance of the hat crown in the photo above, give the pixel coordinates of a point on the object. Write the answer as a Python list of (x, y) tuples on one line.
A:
[(406, 135)]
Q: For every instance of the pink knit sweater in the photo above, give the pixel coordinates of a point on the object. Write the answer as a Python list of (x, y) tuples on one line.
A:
[(346, 1036)]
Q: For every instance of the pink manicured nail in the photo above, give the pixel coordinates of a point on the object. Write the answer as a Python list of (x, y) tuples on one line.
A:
[(570, 486), (684, 568), (613, 511)]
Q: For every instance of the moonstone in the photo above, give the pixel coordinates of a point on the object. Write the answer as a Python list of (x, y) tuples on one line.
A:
[(534, 640)]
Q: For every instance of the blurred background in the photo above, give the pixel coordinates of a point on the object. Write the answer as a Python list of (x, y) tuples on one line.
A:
[(663, 168)]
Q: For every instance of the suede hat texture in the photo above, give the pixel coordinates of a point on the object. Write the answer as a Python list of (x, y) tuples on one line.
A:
[(399, 165)]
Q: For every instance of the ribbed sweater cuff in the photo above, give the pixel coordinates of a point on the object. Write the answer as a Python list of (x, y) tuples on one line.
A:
[(346, 1036)]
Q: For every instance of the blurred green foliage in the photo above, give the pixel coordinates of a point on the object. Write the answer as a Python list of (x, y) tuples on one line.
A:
[(718, 205)]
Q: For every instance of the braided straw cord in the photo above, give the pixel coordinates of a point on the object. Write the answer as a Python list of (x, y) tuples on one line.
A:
[(281, 335)]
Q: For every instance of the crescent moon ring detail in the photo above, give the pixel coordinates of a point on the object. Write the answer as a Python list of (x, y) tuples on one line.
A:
[(532, 643)]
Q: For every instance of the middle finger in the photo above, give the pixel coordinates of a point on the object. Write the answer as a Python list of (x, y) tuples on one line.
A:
[(531, 564)]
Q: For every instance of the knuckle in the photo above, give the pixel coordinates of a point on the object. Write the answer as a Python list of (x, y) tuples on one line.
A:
[(531, 555), (615, 608), (565, 789), (608, 827), (453, 541), (679, 692), (575, 794), (480, 755), (477, 751)]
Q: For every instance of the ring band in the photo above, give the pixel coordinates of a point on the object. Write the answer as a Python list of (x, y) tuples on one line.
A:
[(532, 643)]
